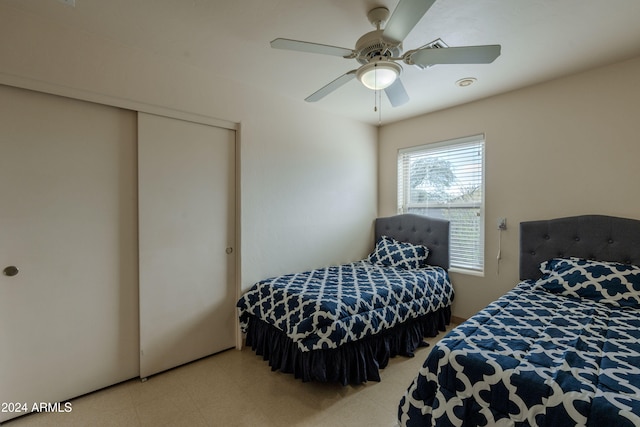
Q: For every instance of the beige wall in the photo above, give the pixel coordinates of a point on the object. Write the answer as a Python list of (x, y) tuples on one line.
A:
[(567, 147), (308, 178)]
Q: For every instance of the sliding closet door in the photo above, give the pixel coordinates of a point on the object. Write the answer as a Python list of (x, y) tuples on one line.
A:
[(68, 248), (186, 225)]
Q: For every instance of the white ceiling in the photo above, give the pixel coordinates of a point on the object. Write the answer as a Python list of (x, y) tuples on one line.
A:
[(541, 40)]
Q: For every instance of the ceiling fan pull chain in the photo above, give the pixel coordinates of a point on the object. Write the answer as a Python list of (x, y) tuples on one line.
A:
[(380, 108), (375, 99)]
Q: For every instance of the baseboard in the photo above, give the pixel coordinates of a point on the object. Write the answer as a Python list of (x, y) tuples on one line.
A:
[(457, 320)]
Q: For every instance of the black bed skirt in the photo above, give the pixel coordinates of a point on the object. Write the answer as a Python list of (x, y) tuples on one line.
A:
[(351, 363)]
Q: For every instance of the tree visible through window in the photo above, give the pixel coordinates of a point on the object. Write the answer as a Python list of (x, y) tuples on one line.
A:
[(446, 180)]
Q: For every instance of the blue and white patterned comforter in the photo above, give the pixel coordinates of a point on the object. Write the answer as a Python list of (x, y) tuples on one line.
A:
[(325, 308), (532, 358)]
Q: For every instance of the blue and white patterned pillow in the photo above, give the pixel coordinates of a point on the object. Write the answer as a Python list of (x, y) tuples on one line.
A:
[(390, 252), (611, 283)]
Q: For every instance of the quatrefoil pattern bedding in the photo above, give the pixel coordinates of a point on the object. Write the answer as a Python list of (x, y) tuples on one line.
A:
[(325, 308), (607, 282), (532, 358), (390, 252)]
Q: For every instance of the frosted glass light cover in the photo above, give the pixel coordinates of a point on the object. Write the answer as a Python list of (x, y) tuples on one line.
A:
[(378, 78), (379, 74)]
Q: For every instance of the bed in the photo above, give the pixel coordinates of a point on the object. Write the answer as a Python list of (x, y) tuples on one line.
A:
[(560, 349), (343, 323)]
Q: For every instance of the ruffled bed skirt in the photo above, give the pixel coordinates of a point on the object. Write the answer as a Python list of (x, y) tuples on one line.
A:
[(352, 363)]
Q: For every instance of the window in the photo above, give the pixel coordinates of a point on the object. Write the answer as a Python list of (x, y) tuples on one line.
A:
[(446, 180)]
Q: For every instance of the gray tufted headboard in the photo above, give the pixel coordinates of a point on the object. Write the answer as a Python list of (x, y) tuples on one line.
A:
[(597, 237), (419, 230)]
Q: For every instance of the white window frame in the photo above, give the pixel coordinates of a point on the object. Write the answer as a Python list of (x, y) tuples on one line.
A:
[(405, 207)]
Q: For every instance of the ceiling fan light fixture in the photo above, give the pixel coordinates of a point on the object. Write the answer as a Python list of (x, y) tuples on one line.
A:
[(379, 74)]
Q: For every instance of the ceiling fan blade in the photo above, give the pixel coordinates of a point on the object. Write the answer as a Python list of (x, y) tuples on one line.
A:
[(397, 94), (456, 55), (404, 18), (301, 46), (326, 90)]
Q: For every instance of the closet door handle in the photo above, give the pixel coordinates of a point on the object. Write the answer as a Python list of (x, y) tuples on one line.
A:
[(229, 250), (10, 271)]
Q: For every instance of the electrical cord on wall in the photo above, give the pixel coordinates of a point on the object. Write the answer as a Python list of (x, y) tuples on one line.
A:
[(499, 257), (502, 225)]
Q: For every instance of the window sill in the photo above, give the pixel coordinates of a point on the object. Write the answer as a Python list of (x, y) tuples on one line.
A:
[(467, 272)]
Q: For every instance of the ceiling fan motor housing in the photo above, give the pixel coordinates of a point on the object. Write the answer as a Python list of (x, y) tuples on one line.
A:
[(373, 45)]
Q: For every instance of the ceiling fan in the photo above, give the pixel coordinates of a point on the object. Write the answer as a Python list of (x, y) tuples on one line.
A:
[(380, 51)]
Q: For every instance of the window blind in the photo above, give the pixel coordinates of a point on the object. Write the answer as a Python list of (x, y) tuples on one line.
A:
[(446, 180)]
